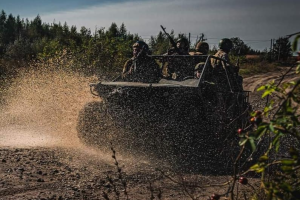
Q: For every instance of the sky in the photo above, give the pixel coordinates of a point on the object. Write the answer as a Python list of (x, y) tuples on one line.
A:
[(256, 22)]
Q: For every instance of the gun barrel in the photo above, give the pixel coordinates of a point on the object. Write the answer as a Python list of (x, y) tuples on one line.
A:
[(171, 39)]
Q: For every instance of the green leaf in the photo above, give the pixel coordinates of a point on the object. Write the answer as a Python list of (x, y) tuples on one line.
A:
[(261, 88), (260, 170), (294, 153), (292, 82), (288, 162), (268, 92), (295, 42), (252, 143), (263, 158), (243, 141), (257, 168), (298, 69), (278, 127), (271, 127), (261, 130), (276, 142), (287, 169), (266, 109)]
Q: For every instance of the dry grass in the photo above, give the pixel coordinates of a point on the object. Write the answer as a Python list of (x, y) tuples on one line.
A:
[(256, 67)]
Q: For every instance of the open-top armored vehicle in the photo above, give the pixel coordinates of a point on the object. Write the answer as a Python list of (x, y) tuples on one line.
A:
[(182, 119)]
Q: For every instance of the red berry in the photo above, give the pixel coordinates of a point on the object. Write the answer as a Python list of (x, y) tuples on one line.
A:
[(215, 197), (258, 113), (243, 180), (240, 131), (256, 120), (252, 120)]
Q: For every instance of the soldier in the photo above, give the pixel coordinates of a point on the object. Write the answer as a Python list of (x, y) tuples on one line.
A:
[(202, 48), (225, 45), (182, 47), (178, 68), (141, 67)]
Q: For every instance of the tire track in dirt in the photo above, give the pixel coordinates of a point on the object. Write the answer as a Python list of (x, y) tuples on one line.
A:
[(253, 82)]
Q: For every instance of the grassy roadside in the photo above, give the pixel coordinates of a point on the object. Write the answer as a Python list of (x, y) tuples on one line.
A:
[(253, 68)]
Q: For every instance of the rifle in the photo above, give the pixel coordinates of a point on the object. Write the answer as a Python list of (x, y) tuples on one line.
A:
[(136, 58), (171, 40)]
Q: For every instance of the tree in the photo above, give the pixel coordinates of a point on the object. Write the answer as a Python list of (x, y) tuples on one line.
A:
[(123, 30), (160, 43), (36, 28), (2, 23), (84, 32), (19, 27), (104, 51), (239, 47), (113, 30), (9, 30), (66, 30), (282, 49)]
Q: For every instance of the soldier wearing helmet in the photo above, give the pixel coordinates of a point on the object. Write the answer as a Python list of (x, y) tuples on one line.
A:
[(183, 46), (141, 67), (178, 67), (202, 48), (225, 45)]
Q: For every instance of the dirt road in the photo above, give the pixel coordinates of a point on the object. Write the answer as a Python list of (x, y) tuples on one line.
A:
[(42, 158)]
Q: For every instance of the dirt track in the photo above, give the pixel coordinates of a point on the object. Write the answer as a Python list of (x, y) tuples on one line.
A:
[(41, 157)]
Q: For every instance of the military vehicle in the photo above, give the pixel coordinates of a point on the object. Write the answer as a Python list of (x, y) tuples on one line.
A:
[(180, 118)]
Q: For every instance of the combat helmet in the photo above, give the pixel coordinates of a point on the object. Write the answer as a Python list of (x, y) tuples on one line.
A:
[(141, 45), (225, 44), (185, 43), (202, 47)]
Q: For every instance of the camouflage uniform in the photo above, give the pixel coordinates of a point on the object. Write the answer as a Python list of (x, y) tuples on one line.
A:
[(141, 67), (182, 46), (178, 68), (220, 54), (202, 48), (225, 46)]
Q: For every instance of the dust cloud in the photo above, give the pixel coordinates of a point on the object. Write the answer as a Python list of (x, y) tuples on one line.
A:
[(42, 106)]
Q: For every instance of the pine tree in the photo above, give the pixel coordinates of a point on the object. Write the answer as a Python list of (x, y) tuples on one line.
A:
[(282, 49)]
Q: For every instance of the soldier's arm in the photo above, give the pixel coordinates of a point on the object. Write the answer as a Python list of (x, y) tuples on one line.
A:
[(127, 69), (225, 56)]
